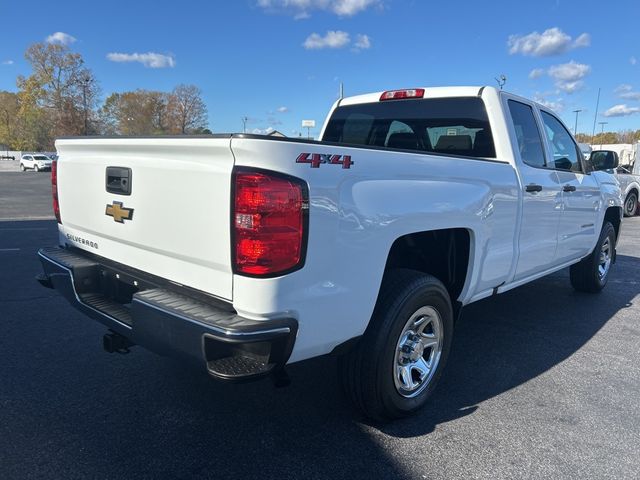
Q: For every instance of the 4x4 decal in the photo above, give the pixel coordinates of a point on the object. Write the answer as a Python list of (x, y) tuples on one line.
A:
[(316, 159)]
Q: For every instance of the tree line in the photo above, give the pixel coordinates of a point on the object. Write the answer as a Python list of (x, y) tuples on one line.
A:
[(62, 97), (605, 138)]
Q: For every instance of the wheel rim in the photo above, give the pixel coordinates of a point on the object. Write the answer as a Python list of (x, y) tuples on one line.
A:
[(605, 259), (630, 205), (418, 352)]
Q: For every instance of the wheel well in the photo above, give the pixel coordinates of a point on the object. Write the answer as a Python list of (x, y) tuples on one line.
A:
[(633, 190), (441, 253), (613, 215)]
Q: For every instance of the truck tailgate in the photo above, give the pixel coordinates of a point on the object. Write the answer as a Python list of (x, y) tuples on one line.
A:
[(175, 221)]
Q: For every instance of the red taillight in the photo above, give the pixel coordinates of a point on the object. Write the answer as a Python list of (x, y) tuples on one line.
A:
[(400, 94), (54, 190), (269, 222)]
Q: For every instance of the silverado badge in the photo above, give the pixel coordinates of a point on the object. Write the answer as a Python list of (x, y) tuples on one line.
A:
[(119, 212)]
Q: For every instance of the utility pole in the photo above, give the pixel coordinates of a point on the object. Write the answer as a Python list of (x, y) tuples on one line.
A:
[(244, 124), (502, 79), (602, 132), (595, 117), (575, 128), (341, 90), (85, 83)]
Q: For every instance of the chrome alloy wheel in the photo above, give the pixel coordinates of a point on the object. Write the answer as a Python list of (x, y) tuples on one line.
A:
[(418, 352), (604, 263)]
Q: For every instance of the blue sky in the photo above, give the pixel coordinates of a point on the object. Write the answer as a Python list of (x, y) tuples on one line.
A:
[(278, 62)]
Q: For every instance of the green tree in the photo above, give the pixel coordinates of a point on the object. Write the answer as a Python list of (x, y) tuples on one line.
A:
[(9, 108), (63, 88)]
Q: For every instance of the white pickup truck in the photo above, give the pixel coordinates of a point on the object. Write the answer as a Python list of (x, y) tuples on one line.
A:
[(629, 178), (247, 252)]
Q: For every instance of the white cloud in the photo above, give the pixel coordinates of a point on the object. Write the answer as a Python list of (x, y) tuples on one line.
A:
[(363, 42), (60, 38), (301, 9), (262, 131), (570, 87), (583, 40), (626, 91), (283, 109), (556, 105), (536, 73), (568, 76), (332, 39), (550, 42), (150, 59), (633, 60), (625, 87), (7, 62), (569, 71), (621, 111)]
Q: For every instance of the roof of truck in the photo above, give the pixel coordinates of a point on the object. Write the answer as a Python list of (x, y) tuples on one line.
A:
[(429, 92)]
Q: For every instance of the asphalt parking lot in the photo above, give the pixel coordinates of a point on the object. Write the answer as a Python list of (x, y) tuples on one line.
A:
[(543, 382)]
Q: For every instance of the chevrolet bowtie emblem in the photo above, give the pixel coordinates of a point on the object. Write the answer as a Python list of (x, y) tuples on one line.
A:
[(119, 212)]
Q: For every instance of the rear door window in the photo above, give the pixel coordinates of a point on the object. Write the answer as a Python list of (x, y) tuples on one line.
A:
[(527, 134), (457, 126)]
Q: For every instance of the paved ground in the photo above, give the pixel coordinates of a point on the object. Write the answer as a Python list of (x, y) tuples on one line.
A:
[(543, 382), (25, 196), (9, 165)]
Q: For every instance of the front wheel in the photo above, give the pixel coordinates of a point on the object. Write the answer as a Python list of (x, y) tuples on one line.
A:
[(397, 363), (36, 169), (591, 273), (22, 167), (631, 204)]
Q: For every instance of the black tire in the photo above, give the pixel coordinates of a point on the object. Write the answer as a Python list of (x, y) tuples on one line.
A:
[(22, 167), (586, 275), (368, 371), (631, 204), (36, 169)]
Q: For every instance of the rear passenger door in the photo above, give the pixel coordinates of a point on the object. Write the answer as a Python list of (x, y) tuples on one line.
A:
[(581, 202), (541, 195)]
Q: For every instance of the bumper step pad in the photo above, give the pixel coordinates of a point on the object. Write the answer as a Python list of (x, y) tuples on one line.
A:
[(168, 321)]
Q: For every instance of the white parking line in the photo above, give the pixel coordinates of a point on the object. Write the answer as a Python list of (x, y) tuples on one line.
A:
[(9, 249)]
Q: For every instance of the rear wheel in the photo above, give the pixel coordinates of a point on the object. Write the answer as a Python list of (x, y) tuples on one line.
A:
[(397, 363), (591, 273), (631, 204)]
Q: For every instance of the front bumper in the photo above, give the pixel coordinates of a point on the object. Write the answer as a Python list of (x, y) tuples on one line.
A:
[(169, 319)]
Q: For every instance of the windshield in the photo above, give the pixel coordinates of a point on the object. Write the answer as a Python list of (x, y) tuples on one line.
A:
[(457, 126)]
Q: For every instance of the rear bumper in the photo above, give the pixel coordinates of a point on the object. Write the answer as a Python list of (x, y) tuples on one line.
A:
[(169, 319)]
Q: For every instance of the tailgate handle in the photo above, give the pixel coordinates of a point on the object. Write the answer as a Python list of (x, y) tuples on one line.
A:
[(118, 180)]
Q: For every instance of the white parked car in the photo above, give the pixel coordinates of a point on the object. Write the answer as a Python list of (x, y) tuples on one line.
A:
[(248, 252), (36, 162)]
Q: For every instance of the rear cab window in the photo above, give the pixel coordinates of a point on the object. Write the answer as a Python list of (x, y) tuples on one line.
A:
[(457, 126)]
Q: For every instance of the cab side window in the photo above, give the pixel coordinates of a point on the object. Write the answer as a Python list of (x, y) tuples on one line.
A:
[(527, 134), (565, 151)]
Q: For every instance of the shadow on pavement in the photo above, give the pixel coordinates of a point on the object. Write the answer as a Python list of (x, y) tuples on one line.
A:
[(90, 414)]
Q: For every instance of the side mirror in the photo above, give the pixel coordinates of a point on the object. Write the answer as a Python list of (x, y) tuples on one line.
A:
[(603, 160), (563, 163)]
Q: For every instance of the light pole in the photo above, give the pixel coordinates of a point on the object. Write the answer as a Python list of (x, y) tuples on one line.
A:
[(244, 124), (575, 128), (85, 83), (602, 124)]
